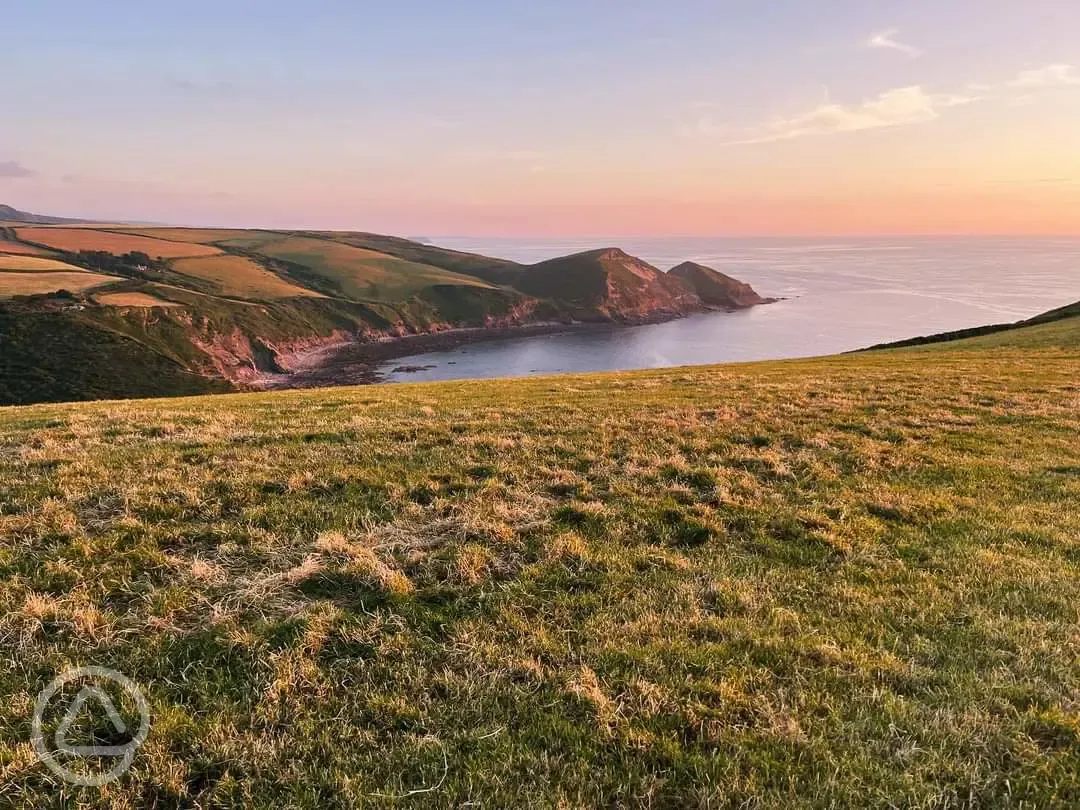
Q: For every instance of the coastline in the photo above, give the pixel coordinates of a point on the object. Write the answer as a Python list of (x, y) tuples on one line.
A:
[(356, 361)]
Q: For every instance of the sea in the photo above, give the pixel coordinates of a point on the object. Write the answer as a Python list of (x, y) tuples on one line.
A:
[(838, 295)]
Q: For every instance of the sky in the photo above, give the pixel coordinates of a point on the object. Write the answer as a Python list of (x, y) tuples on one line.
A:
[(554, 118)]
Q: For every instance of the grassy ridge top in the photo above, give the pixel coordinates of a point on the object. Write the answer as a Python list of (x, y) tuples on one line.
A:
[(1062, 323), (843, 582)]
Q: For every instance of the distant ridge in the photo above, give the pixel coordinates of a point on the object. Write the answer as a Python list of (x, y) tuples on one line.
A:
[(9, 214)]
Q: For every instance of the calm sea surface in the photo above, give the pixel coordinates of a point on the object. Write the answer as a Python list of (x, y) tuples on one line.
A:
[(841, 295)]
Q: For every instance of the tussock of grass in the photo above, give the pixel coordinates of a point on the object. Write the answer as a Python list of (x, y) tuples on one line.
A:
[(835, 583)]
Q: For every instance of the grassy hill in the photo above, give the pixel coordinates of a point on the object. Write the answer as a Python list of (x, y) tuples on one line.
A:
[(495, 271), (232, 305), (9, 214), (1006, 334), (717, 289), (843, 582), (608, 284)]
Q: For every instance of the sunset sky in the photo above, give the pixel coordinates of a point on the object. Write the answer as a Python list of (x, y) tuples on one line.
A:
[(583, 117)]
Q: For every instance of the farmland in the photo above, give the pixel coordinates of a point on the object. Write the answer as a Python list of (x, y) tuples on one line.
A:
[(33, 264), (206, 236), (132, 299), (840, 582), (72, 240), (8, 246), (358, 273), (240, 277), (40, 282)]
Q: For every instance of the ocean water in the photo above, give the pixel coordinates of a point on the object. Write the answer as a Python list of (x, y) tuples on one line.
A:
[(841, 294)]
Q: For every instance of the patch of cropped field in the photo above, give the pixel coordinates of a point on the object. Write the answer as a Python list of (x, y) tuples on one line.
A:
[(34, 264), (361, 274), (849, 582), (132, 299), (204, 236), (8, 246), (41, 282), (241, 277), (76, 239)]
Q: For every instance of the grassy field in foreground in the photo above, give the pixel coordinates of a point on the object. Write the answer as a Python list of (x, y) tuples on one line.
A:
[(848, 582)]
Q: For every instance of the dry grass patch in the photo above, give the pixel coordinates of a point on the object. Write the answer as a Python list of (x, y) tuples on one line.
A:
[(34, 264), (8, 246), (132, 299), (241, 277), (38, 283)]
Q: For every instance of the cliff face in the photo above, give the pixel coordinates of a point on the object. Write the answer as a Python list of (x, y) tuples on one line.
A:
[(715, 289)]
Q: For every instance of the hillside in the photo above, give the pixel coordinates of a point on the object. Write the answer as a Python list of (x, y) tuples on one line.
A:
[(495, 271), (844, 582), (1062, 322), (9, 214), (609, 284), (716, 289), (247, 307)]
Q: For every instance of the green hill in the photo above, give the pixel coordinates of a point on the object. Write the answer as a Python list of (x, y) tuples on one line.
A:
[(841, 582), (609, 284), (9, 214), (495, 271), (1059, 326), (716, 289)]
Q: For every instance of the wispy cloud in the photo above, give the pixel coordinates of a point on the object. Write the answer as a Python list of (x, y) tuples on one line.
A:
[(901, 106), (14, 169), (887, 40), (1060, 75), (893, 108)]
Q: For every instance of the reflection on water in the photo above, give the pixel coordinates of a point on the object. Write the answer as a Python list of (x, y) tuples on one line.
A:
[(841, 296)]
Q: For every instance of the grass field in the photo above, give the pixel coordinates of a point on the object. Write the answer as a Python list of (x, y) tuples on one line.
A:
[(847, 582), (76, 239), (1061, 334), (34, 264), (132, 299), (240, 276), (362, 274), (38, 282)]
